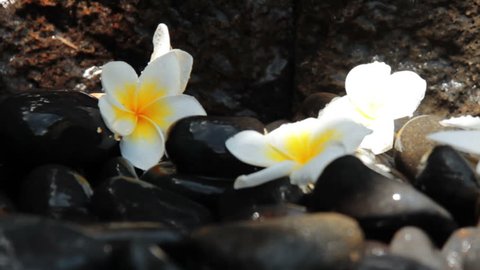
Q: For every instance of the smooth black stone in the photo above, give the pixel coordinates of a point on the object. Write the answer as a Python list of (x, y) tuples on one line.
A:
[(450, 180), (205, 190), (117, 166), (160, 172), (264, 212), (33, 243), (129, 199), (56, 191), (53, 127), (308, 242), (234, 203), (139, 255), (380, 204), (390, 262), (197, 145), (119, 233)]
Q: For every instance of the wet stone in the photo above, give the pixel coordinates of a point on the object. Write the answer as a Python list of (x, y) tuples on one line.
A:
[(117, 166), (56, 191), (197, 145), (53, 127), (315, 241), (411, 143), (264, 212), (236, 203), (450, 180), (35, 243), (140, 255), (160, 171), (413, 243), (204, 190), (390, 262), (129, 199), (380, 204), (120, 233), (462, 250)]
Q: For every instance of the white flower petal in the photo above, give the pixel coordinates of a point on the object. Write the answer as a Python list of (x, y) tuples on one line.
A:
[(119, 81), (405, 92), (165, 111), (381, 138), (145, 146), (310, 172), (160, 78), (366, 87), (117, 120), (185, 61), (351, 134), (464, 140), (253, 148), (342, 108), (161, 41), (273, 172), (466, 122)]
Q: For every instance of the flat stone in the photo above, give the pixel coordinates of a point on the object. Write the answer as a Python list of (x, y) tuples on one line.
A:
[(315, 241)]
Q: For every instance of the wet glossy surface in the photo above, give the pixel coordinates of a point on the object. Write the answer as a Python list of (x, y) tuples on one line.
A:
[(58, 126), (450, 180), (381, 205), (197, 145), (57, 192), (129, 199)]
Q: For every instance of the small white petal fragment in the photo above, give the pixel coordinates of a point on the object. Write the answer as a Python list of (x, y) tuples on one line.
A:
[(252, 148), (463, 140), (161, 41), (465, 122), (273, 172), (145, 146), (406, 91), (119, 82)]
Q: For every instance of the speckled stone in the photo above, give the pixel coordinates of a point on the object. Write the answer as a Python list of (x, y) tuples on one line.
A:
[(413, 243), (411, 144)]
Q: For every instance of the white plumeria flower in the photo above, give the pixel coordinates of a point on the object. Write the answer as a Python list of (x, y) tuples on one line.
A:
[(375, 98), (141, 109), (467, 140), (300, 150)]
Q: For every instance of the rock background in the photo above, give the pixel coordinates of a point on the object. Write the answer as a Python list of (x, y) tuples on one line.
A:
[(252, 58)]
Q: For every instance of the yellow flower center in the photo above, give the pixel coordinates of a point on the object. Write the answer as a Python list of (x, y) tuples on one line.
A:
[(302, 146)]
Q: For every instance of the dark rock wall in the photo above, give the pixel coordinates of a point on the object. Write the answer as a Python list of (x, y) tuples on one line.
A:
[(252, 57)]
